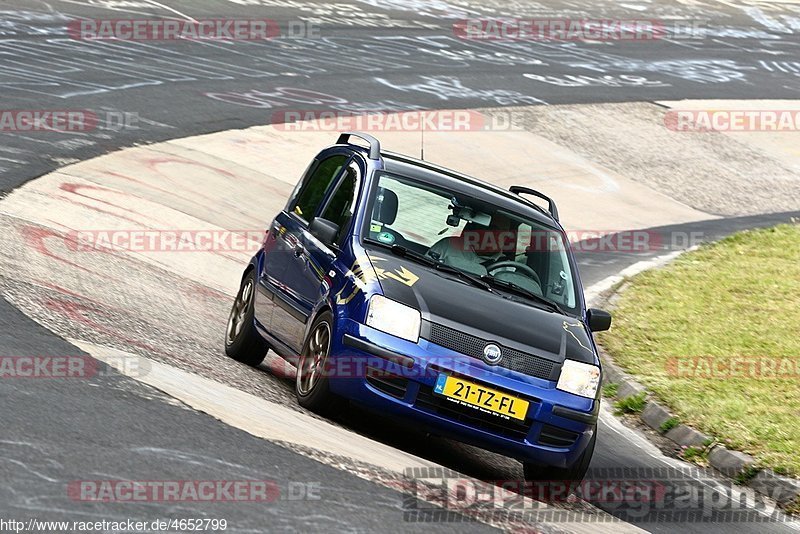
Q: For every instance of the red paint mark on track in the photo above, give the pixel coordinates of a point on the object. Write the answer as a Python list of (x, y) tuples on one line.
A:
[(74, 189), (170, 192), (154, 163), (34, 238)]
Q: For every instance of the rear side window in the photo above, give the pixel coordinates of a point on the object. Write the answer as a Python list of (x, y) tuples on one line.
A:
[(316, 184), (342, 204)]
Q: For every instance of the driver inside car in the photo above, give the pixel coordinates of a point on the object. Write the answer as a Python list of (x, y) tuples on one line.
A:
[(493, 243), (478, 246)]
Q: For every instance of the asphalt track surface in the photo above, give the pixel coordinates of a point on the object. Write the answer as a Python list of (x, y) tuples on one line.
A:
[(400, 58)]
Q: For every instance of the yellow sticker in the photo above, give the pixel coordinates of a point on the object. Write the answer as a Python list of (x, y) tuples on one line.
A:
[(375, 228)]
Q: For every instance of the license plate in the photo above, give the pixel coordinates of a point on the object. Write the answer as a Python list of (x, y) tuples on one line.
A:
[(480, 397)]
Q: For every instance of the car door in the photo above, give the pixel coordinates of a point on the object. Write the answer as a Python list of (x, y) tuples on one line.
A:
[(284, 271), (338, 207)]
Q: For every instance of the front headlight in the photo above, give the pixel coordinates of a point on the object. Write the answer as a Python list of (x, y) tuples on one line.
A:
[(394, 318), (579, 378)]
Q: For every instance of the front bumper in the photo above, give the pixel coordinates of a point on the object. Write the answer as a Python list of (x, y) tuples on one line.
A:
[(556, 430)]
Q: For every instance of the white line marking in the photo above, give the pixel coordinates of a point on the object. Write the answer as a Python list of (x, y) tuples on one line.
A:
[(173, 10)]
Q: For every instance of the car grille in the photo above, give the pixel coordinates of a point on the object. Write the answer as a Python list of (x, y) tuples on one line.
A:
[(428, 401), (473, 346)]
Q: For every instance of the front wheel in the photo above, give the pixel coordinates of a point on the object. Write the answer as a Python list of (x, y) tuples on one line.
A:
[(573, 473), (242, 342), (312, 382)]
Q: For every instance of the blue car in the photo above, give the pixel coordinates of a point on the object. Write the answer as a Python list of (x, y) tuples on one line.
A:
[(430, 296)]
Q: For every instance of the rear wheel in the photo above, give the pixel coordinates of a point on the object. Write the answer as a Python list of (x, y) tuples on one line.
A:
[(312, 381), (573, 473), (242, 342)]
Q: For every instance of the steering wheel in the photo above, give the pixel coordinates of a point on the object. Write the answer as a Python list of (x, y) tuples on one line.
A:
[(517, 266)]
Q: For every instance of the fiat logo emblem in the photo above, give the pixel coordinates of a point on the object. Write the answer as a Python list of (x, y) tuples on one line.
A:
[(492, 354)]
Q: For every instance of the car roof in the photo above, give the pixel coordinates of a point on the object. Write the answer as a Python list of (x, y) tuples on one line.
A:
[(427, 172), (430, 173)]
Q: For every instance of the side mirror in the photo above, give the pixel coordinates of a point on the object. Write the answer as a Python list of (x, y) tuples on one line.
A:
[(599, 320), (324, 230)]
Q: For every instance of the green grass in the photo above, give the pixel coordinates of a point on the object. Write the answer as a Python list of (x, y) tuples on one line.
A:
[(632, 404), (610, 390), (695, 454), (747, 475), (739, 298), (669, 424)]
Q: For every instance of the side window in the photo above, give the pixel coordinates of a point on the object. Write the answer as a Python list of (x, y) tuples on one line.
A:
[(313, 189), (342, 204)]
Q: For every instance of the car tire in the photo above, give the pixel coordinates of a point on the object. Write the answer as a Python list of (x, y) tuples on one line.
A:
[(312, 382), (574, 473), (242, 342)]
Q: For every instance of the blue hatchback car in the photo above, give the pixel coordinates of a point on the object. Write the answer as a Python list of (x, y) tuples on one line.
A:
[(427, 295)]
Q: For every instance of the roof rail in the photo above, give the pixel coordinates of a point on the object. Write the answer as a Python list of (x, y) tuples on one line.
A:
[(374, 144), (551, 204)]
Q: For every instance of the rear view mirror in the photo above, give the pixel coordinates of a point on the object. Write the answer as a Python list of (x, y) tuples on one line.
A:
[(324, 230), (599, 320)]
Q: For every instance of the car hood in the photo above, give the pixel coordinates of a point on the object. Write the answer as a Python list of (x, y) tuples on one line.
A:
[(447, 300)]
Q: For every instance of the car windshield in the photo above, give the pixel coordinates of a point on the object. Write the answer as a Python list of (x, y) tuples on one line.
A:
[(514, 253)]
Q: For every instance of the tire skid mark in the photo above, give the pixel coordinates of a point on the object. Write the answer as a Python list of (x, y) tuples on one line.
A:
[(155, 162), (72, 187), (77, 295), (209, 292), (150, 185), (169, 192), (81, 314), (97, 209), (35, 237)]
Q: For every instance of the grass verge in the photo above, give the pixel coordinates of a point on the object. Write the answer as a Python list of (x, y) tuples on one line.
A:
[(716, 337), (632, 404), (669, 424)]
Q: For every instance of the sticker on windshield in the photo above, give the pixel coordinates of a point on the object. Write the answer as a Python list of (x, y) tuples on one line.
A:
[(375, 228), (386, 237)]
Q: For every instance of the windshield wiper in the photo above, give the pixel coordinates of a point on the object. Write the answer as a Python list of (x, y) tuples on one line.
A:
[(474, 280), (403, 252), (511, 286)]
